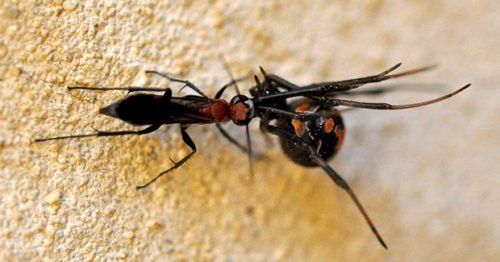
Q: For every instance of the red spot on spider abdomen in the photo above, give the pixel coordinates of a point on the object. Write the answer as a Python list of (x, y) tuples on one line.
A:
[(298, 126), (340, 132), (329, 125), (302, 108)]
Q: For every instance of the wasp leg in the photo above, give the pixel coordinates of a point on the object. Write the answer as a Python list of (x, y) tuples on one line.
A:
[(330, 171), (188, 141), (230, 138), (249, 151), (185, 82), (128, 88), (147, 130)]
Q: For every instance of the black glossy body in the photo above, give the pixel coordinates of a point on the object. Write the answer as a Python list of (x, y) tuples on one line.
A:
[(148, 109), (325, 133)]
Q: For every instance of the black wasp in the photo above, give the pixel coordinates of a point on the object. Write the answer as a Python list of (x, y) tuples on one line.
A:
[(310, 128)]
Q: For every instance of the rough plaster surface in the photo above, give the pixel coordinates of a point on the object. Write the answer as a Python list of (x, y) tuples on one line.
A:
[(428, 177)]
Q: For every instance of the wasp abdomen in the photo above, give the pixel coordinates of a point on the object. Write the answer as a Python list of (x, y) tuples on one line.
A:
[(138, 109)]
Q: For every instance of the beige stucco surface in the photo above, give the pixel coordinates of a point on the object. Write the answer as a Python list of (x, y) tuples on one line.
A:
[(429, 177)]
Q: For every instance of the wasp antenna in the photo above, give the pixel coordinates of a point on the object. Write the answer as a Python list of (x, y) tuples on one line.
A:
[(230, 73), (180, 89)]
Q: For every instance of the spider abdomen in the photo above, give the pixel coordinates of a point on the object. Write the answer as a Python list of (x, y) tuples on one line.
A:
[(325, 133)]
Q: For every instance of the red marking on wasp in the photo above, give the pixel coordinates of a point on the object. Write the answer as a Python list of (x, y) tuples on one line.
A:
[(218, 110), (239, 111)]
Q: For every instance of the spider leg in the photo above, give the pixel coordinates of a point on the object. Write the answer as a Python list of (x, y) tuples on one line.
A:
[(294, 115), (329, 170), (385, 106), (330, 88)]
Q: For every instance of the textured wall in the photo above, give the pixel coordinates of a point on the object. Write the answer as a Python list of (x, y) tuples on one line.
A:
[(428, 177)]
